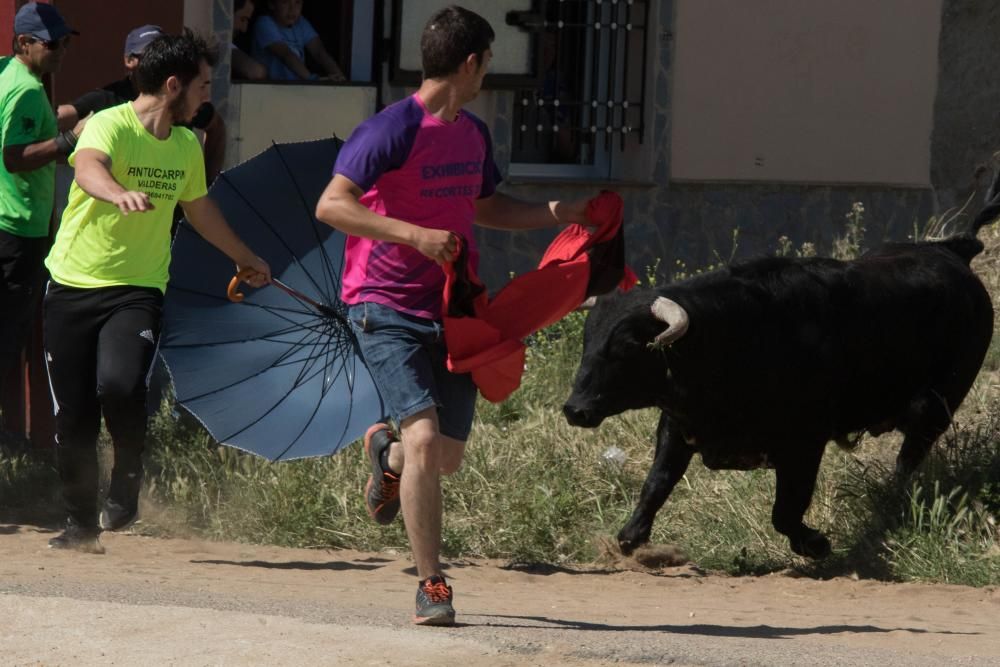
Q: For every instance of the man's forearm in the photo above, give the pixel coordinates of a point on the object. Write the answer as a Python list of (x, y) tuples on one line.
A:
[(350, 217), (503, 212), (29, 157), (66, 117), (97, 181)]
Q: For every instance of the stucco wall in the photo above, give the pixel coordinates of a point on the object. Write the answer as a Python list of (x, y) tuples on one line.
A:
[(804, 92)]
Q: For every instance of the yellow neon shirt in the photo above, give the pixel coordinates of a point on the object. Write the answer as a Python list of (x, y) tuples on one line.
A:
[(97, 245)]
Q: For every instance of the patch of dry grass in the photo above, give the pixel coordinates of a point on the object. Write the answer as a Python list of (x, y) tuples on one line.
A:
[(534, 489)]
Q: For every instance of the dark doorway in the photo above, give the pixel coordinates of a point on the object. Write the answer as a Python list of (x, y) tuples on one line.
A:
[(332, 20)]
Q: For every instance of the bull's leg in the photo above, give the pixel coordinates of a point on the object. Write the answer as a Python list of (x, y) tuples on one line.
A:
[(795, 476), (669, 464), (929, 418)]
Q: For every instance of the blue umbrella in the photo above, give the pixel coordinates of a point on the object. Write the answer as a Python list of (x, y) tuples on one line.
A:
[(275, 374)]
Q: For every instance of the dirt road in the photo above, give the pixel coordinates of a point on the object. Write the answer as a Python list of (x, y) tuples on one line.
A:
[(181, 602)]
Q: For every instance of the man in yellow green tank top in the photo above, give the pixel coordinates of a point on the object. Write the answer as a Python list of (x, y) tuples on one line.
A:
[(109, 270), (30, 146)]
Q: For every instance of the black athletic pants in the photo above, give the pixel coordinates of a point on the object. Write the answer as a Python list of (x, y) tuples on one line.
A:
[(22, 276), (99, 347)]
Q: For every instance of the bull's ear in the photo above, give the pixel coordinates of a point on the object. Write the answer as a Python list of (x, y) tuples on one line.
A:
[(588, 303), (675, 317)]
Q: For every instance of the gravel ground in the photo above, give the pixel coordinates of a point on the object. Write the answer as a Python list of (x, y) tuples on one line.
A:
[(185, 602)]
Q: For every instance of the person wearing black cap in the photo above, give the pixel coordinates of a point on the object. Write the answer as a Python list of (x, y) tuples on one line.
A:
[(31, 144), (124, 90)]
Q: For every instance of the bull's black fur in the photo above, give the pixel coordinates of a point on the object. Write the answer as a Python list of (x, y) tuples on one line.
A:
[(784, 355)]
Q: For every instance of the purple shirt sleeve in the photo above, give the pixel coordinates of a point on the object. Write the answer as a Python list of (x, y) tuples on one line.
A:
[(380, 144), (491, 175)]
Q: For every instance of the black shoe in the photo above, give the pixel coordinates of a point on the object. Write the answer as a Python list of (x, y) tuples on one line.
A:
[(115, 516), (382, 490), (78, 538), (434, 598)]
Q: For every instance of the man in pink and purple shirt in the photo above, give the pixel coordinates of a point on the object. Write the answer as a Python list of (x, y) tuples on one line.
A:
[(408, 184)]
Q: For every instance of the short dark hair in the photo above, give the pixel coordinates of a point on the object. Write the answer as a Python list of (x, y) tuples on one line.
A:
[(238, 5), (450, 36), (172, 55)]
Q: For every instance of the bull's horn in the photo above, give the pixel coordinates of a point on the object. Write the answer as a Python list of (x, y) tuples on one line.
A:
[(674, 315), (588, 303)]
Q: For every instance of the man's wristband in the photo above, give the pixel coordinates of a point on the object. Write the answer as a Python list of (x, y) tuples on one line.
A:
[(65, 142)]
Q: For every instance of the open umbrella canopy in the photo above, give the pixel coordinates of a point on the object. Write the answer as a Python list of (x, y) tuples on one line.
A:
[(274, 375)]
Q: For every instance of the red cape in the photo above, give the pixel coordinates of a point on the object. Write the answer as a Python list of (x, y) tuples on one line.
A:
[(485, 336)]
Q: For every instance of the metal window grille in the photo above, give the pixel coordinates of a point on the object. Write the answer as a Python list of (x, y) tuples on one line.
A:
[(591, 96)]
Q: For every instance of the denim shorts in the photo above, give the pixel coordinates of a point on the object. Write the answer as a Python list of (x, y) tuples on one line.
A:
[(406, 356)]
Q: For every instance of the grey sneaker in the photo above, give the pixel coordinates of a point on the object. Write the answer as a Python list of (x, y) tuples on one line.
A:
[(78, 538), (382, 489), (434, 598)]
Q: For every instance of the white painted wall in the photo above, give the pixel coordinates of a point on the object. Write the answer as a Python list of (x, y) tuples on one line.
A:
[(804, 90), (283, 113), (513, 58)]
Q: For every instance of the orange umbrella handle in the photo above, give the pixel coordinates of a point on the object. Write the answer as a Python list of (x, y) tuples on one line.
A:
[(234, 284)]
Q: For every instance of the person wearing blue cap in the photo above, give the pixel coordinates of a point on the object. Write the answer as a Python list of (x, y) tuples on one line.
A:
[(125, 90), (31, 144)]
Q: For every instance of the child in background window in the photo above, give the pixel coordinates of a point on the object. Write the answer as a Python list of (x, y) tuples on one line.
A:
[(244, 67), (281, 40)]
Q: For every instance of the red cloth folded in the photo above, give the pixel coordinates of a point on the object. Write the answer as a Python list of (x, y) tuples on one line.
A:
[(485, 336)]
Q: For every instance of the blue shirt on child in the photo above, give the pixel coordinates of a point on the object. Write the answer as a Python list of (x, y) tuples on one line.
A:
[(296, 36)]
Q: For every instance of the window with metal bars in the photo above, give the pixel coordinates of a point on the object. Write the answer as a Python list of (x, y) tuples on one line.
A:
[(590, 105)]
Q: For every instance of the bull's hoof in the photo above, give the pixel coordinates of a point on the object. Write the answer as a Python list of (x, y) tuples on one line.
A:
[(627, 547), (630, 544), (811, 545)]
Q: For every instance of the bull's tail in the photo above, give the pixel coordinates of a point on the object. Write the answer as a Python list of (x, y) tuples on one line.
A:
[(991, 211)]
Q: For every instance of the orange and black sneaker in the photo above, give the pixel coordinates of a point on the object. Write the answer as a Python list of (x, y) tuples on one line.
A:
[(382, 490), (434, 598)]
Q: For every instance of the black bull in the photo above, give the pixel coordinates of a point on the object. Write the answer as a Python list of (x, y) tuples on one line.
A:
[(764, 363)]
